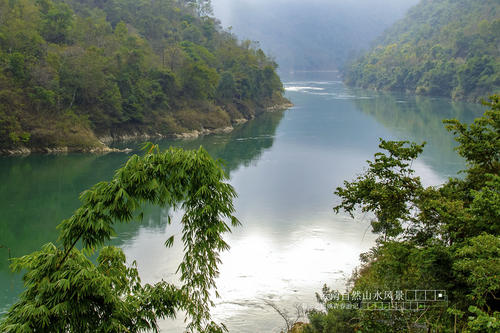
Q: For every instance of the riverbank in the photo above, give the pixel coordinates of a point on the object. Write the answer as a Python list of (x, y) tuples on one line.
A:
[(63, 150), (101, 144), (192, 134)]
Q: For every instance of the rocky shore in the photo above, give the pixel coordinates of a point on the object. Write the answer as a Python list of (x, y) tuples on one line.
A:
[(62, 150), (105, 141)]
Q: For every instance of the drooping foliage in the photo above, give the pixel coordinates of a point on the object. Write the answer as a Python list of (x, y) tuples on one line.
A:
[(434, 238), (71, 71), (441, 48), (66, 292)]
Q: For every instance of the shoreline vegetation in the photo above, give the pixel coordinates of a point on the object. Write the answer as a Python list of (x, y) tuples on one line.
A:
[(102, 144), (75, 75)]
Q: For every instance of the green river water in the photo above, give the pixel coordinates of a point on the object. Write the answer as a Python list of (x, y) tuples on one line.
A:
[(284, 166)]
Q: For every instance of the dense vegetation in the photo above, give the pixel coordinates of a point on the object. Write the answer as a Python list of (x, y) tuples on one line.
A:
[(65, 291), (72, 71), (442, 48), (434, 238)]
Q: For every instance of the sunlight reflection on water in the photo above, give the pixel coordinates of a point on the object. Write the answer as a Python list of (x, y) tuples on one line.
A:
[(291, 242)]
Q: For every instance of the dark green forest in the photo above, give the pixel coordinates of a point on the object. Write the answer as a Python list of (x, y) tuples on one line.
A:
[(75, 71), (447, 48)]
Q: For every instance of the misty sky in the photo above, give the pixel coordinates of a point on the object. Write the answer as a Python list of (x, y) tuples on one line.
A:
[(228, 10), (311, 34)]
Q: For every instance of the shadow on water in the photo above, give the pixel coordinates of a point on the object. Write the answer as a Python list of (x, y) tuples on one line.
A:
[(39, 191)]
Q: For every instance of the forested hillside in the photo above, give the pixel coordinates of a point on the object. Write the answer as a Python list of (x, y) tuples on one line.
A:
[(441, 48), (72, 71)]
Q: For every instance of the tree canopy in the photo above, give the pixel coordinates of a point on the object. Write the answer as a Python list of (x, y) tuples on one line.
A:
[(441, 48), (75, 71), (65, 291)]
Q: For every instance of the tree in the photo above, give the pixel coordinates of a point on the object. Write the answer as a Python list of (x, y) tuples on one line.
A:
[(56, 21), (439, 238), (479, 142), (199, 81), (227, 87), (202, 7), (66, 292), (385, 189)]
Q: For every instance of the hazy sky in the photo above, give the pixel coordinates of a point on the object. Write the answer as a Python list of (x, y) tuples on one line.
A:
[(228, 10), (310, 34)]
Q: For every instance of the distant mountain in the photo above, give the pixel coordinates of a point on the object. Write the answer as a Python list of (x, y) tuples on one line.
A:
[(75, 71), (442, 47), (312, 34)]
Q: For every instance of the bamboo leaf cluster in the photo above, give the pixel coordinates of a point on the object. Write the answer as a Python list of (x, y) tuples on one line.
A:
[(66, 292)]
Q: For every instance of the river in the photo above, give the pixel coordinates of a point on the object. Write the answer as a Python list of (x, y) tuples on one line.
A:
[(284, 167)]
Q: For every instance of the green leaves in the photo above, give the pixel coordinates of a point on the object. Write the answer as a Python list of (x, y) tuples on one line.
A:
[(480, 141), (485, 207), (386, 189), (169, 242), (443, 237), (478, 264), (483, 322), (80, 296)]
